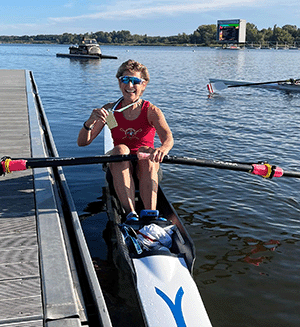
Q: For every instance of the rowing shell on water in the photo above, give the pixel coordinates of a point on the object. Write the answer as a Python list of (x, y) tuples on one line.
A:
[(221, 84), (162, 277)]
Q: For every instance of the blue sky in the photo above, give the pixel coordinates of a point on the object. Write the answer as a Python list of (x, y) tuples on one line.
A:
[(151, 17)]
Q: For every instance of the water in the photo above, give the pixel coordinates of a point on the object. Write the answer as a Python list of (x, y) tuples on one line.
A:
[(245, 228)]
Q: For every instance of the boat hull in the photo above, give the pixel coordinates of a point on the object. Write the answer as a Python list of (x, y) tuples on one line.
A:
[(166, 292), (273, 86), (162, 279), (84, 56)]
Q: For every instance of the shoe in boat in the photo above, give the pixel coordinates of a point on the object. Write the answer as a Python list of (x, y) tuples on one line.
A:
[(132, 217), (151, 214)]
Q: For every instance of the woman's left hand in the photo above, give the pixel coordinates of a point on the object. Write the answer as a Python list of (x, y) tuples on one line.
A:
[(158, 155), (155, 155)]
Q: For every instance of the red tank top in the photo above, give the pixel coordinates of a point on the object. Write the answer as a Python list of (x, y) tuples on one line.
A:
[(134, 133)]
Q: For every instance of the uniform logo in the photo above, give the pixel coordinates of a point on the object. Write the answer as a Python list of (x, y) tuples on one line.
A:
[(130, 133)]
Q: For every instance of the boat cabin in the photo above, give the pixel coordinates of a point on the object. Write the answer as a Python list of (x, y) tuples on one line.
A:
[(86, 47)]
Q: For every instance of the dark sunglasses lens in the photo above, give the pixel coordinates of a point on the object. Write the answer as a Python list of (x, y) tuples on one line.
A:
[(133, 80), (125, 79)]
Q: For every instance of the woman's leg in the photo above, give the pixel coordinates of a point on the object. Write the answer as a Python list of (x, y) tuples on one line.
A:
[(123, 180), (148, 182)]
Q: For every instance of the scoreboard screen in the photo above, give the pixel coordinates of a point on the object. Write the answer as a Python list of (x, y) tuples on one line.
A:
[(231, 31)]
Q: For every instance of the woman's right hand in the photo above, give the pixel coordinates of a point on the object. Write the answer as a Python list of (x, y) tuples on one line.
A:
[(98, 114)]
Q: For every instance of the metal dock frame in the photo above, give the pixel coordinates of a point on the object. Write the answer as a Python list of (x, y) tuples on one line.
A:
[(70, 287)]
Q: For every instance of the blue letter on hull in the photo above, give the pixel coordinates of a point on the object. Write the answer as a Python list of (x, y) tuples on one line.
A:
[(175, 308)]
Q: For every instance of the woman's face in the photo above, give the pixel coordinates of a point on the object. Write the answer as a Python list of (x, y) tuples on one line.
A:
[(131, 89)]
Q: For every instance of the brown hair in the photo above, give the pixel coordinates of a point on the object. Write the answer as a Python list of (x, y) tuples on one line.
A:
[(133, 66)]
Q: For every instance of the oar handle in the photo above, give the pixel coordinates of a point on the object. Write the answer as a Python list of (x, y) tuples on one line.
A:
[(8, 165)]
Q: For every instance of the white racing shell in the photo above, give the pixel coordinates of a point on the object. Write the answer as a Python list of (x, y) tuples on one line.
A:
[(167, 293)]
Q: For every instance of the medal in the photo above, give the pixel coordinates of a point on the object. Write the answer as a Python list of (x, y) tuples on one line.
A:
[(111, 120)]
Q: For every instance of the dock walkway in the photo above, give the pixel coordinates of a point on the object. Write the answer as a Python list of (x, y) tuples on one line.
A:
[(41, 241)]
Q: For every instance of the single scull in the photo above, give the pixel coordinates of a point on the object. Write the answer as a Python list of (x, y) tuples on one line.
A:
[(221, 84), (167, 294)]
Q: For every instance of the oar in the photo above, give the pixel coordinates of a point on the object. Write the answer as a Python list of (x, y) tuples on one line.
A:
[(219, 85), (10, 164), (262, 169), (266, 170)]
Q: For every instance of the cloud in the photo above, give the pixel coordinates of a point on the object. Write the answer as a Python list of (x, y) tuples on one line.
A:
[(16, 27), (146, 9), (70, 4)]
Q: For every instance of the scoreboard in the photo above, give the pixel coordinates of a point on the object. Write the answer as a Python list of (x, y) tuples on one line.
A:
[(231, 31)]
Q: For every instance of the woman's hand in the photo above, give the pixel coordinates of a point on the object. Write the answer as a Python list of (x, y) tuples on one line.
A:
[(158, 154), (93, 126), (155, 155), (98, 114)]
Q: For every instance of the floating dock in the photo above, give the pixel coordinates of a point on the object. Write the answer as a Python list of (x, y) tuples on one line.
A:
[(47, 276), (84, 56)]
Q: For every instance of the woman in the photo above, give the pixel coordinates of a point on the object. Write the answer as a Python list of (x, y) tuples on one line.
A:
[(133, 125)]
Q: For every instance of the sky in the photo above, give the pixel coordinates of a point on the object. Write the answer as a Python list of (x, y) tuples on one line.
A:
[(151, 17)]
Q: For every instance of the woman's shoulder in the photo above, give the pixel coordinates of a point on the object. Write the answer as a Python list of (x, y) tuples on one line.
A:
[(153, 109), (153, 113), (150, 106)]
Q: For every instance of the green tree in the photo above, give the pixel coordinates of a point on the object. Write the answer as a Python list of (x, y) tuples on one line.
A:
[(252, 33), (205, 34), (291, 29), (281, 36)]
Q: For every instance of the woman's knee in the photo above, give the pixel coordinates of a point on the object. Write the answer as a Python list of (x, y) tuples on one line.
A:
[(120, 149)]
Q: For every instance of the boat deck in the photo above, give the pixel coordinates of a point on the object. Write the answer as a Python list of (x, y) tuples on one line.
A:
[(20, 282), (39, 283)]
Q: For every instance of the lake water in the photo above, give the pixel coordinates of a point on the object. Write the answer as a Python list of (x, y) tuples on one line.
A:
[(246, 229)]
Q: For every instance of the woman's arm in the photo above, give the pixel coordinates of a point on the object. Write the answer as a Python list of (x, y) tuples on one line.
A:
[(93, 126), (158, 120)]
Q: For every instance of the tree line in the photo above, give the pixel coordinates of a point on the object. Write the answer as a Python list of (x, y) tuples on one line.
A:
[(204, 35)]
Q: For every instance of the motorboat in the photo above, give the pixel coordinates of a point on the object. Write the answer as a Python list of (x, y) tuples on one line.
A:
[(88, 49)]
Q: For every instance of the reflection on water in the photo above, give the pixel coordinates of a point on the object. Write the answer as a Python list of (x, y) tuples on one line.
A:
[(246, 249)]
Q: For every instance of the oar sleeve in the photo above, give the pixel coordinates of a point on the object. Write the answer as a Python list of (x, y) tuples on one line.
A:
[(266, 170), (8, 165)]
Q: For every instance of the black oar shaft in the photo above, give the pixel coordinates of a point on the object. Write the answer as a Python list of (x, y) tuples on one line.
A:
[(250, 168), (295, 174), (8, 164), (208, 163), (260, 83), (72, 161)]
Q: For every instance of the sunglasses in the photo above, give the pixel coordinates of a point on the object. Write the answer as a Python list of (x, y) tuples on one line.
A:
[(132, 79)]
